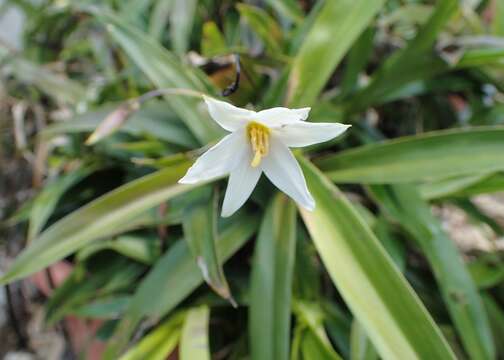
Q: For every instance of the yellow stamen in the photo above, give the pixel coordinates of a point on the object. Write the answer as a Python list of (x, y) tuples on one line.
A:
[(259, 139)]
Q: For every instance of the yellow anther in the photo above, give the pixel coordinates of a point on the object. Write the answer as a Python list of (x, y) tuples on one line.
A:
[(259, 140)]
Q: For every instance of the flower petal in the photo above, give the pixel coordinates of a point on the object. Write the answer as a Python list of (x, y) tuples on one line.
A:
[(305, 133), (281, 167), (278, 116), (242, 182), (218, 160), (229, 117)]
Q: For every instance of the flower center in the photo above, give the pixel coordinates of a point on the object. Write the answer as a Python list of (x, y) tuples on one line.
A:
[(259, 139)]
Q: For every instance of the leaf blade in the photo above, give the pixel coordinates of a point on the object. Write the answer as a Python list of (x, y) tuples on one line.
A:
[(398, 325), (309, 74), (429, 156), (92, 221), (194, 339), (459, 291), (271, 286)]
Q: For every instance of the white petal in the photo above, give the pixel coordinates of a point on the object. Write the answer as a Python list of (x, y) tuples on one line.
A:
[(284, 172), (218, 160), (279, 116), (242, 182), (229, 117), (305, 133)]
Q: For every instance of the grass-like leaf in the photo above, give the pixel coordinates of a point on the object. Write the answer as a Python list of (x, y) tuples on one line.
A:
[(336, 27), (404, 204), (271, 287), (96, 219), (429, 156), (373, 288)]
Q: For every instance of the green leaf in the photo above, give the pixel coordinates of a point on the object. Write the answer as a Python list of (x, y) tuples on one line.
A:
[(449, 187), (336, 27), (314, 349), (160, 16), (287, 8), (395, 247), (200, 231), (481, 57), (173, 278), (107, 308), (429, 156), (159, 343), (416, 61), (403, 203), (361, 347), (264, 26), (82, 287), (132, 10), (181, 23), (358, 57), (97, 219), (488, 184), (144, 249), (315, 343), (46, 201), (194, 340), (496, 315), (498, 19), (487, 270), (165, 71), (55, 85), (372, 287), (153, 119), (338, 325), (213, 42), (271, 287)]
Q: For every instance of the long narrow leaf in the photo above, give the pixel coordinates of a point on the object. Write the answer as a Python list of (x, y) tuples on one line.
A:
[(336, 27), (160, 343), (164, 70), (194, 341), (200, 232), (458, 290), (429, 156), (416, 61), (271, 288), (46, 201), (173, 278), (373, 288), (94, 220)]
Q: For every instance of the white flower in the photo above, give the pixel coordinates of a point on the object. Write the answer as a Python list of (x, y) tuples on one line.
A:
[(259, 142)]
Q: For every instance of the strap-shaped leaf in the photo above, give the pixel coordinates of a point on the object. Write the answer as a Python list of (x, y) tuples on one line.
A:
[(271, 288), (194, 340), (200, 231), (98, 219), (173, 278), (460, 294), (336, 27), (429, 156), (164, 70), (372, 287)]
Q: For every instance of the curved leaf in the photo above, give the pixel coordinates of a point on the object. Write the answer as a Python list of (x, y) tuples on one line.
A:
[(173, 278), (97, 219), (271, 288), (194, 340), (336, 27), (200, 231), (372, 287), (159, 343), (460, 294), (429, 156), (164, 70)]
